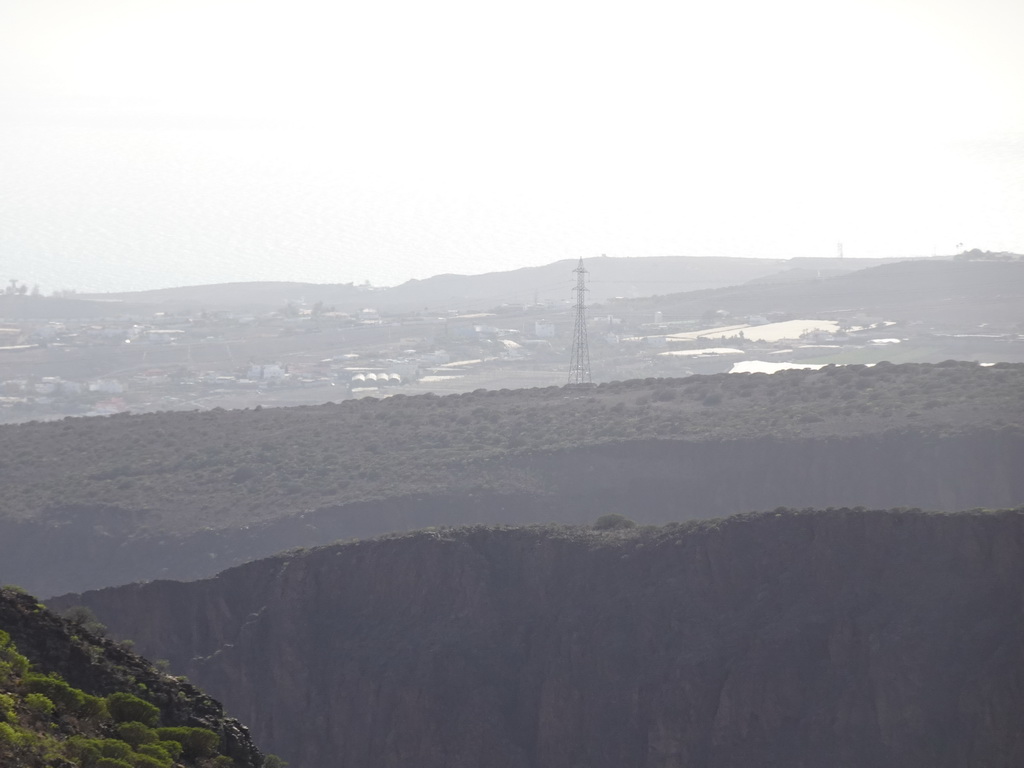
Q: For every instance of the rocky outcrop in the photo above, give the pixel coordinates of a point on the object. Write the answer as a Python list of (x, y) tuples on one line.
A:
[(842, 638), (653, 481), (99, 667)]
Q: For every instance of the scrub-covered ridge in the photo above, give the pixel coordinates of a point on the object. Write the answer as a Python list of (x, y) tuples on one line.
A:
[(183, 495), (69, 697)]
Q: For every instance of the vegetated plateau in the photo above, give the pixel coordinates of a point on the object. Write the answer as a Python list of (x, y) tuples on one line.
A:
[(69, 697), (96, 502), (843, 637)]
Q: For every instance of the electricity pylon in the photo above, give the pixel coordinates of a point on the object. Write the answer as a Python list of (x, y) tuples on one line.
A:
[(579, 364)]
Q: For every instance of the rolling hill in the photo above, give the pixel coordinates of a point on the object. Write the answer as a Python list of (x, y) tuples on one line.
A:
[(96, 502), (611, 277), (948, 295)]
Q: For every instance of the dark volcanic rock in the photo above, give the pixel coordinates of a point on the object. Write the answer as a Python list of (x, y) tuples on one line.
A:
[(842, 638)]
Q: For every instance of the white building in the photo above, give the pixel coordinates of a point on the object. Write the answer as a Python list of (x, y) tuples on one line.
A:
[(544, 330), (107, 386)]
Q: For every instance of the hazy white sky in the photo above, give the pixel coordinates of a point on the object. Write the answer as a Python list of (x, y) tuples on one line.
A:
[(146, 143)]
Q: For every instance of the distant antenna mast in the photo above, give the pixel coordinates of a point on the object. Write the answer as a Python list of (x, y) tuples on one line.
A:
[(579, 365), (840, 250)]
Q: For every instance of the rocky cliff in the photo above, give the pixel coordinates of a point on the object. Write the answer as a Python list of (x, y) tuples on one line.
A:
[(841, 638), (99, 667)]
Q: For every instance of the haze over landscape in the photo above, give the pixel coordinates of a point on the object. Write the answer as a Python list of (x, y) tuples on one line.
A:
[(156, 144), (547, 385)]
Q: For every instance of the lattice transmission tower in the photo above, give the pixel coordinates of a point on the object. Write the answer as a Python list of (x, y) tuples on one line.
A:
[(579, 364)]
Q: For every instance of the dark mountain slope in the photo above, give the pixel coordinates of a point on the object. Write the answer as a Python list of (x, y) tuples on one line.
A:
[(47, 308), (844, 638), (95, 502), (240, 297), (613, 276), (97, 667), (610, 277), (944, 294)]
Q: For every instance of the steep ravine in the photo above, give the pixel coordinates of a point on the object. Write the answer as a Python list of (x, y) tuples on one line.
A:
[(843, 638), (654, 481)]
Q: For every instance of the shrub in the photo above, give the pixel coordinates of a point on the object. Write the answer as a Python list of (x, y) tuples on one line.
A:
[(38, 704), (6, 708), (123, 707), (114, 748), (195, 742), (146, 761), (613, 522), (84, 751), (83, 617), (56, 690), (93, 706), (9, 736), (135, 734), (112, 762), (159, 753), (172, 748), (12, 663)]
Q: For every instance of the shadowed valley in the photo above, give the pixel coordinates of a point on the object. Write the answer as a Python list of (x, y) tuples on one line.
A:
[(183, 495)]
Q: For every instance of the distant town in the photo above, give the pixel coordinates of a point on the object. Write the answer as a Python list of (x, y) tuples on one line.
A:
[(308, 352)]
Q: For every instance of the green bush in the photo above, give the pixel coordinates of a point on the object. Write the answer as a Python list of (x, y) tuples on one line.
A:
[(17, 663), (39, 704), (112, 762), (56, 690), (93, 706), (145, 761), (83, 617), (12, 663), (195, 742), (114, 748), (8, 736), (123, 707), (85, 751), (159, 753), (135, 734), (172, 748), (6, 708)]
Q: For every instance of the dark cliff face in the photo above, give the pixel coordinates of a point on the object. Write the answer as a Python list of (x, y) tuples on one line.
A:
[(843, 638), (653, 481), (99, 667)]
